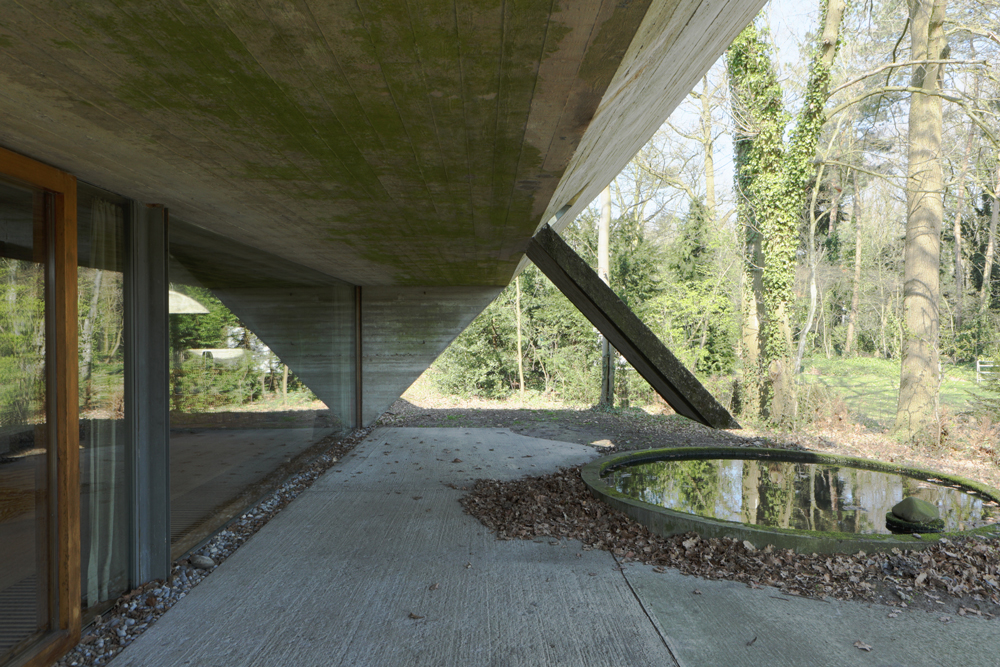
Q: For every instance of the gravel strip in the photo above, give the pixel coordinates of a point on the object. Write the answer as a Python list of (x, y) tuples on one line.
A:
[(139, 608), (958, 575)]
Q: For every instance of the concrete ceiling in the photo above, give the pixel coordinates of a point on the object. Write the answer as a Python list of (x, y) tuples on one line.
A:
[(382, 143)]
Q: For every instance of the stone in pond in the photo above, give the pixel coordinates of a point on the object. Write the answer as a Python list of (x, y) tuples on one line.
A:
[(915, 510)]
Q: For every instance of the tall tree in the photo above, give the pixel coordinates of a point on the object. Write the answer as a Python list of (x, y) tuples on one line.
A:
[(759, 115), (603, 251), (773, 182), (986, 291), (917, 410), (852, 314)]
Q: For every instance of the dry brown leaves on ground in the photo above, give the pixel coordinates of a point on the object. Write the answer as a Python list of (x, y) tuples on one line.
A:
[(560, 505)]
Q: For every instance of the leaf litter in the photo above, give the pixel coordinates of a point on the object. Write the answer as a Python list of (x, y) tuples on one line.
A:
[(560, 505)]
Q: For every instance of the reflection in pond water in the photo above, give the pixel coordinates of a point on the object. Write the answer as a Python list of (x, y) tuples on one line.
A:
[(803, 496)]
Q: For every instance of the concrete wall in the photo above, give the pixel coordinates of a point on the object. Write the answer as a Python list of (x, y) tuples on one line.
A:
[(404, 329), (311, 329)]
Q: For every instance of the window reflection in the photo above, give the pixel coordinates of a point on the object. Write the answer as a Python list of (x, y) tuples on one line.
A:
[(24, 460), (104, 508)]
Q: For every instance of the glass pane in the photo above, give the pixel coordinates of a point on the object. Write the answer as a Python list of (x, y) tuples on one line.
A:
[(24, 464), (251, 341), (104, 510)]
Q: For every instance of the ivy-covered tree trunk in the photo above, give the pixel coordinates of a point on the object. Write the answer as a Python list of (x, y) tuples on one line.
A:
[(917, 411), (760, 119), (798, 170), (772, 184)]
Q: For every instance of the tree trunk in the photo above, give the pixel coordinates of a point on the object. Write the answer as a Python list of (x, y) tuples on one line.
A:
[(917, 411), (87, 362), (813, 260), (852, 316), (284, 384), (834, 220), (986, 292), (957, 226), (708, 144), (520, 356), (603, 262), (756, 101), (752, 307), (781, 241), (751, 492)]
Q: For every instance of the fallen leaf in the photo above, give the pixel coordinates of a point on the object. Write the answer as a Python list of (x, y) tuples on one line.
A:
[(749, 545), (750, 643), (457, 461), (893, 614), (417, 497), (945, 619), (659, 570), (696, 592), (468, 565), (434, 587), (414, 616), (861, 646)]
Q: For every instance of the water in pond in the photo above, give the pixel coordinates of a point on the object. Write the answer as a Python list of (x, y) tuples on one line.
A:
[(804, 496)]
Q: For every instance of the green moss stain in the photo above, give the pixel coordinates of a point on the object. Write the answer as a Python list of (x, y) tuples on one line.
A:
[(65, 44), (406, 144)]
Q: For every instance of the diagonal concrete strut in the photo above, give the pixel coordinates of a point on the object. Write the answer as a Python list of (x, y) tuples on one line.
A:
[(625, 331)]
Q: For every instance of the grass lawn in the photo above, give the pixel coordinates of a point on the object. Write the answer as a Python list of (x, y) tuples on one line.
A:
[(870, 386)]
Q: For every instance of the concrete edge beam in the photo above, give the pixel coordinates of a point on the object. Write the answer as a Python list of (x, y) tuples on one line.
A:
[(626, 332)]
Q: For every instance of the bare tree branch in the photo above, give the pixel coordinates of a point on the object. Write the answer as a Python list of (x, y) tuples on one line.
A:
[(907, 63)]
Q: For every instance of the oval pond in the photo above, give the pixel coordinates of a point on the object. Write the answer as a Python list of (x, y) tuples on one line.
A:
[(796, 495)]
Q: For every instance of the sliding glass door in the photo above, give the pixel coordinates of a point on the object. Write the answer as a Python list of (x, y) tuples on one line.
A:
[(25, 451), (39, 425)]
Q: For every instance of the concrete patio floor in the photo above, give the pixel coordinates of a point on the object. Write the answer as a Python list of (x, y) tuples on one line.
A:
[(376, 564)]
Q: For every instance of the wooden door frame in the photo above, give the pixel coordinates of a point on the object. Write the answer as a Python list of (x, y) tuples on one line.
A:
[(62, 401)]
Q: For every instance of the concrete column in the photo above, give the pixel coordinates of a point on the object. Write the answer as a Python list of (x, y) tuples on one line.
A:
[(147, 387)]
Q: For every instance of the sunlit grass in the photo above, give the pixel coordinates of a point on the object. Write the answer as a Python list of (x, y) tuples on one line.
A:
[(870, 386)]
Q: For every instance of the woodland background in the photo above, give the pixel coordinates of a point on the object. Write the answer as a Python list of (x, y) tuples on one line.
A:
[(845, 250)]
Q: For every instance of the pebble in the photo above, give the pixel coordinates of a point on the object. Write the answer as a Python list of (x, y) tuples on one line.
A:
[(202, 562)]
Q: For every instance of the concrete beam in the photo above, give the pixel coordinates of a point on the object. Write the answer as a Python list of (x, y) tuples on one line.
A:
[(403, 330), (625, 331), (311, 329), (305, 317)]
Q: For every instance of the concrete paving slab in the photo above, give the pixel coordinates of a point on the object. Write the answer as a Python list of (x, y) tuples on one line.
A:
[(376, 564), (732, 624)]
